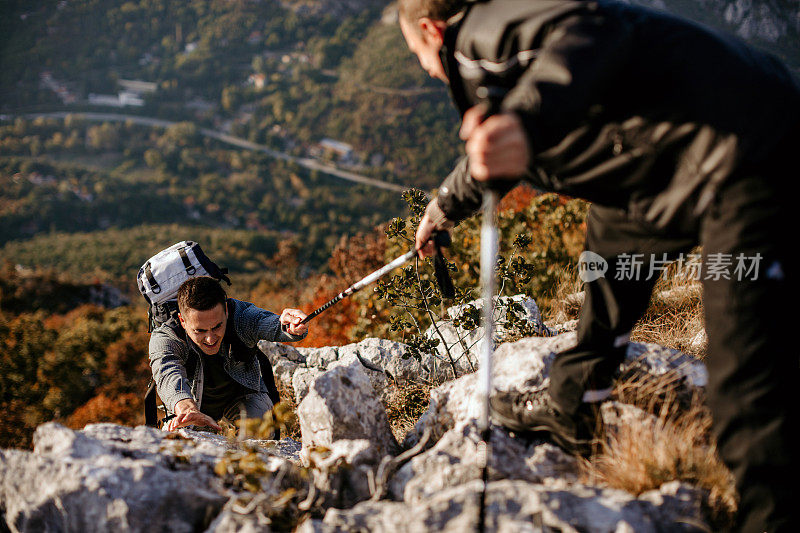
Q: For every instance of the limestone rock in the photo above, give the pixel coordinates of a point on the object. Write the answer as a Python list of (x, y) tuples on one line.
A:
[(516, 505), (382, 360), (341, 404), (75, 482), (454, 460), (521, 364), (285, 360), (658, 360), (463, 346), (526, 364), (131, 479), (342, 471), (302, 380)]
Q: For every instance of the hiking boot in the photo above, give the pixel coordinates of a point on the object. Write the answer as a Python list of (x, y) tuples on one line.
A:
[(527, 413)]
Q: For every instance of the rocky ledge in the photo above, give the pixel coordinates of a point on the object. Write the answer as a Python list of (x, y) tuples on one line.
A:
[(349, 473)]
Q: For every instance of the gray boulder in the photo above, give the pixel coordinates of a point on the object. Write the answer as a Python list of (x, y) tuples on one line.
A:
[(454, 460), (381, 360), (99, 480), (342, 404), (343, 472), (285, 360), (302, 380)]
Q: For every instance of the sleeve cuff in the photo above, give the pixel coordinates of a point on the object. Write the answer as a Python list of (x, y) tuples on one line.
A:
[(176, 398), (437, 216), (288, 337)]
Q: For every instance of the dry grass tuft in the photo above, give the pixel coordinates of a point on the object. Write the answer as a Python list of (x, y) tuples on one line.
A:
[(675, 316), (673, 319), (568, 298), (404, 405), (286, 392), (673, 444)]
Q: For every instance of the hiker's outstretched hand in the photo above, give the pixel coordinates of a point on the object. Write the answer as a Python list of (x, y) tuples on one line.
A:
[(187, 414), (290, 319)]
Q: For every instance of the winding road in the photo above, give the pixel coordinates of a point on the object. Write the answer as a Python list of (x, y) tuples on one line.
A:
[(306, 162)]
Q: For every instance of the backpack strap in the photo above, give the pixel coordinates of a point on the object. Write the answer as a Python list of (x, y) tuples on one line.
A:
[(187, 264), (242, 352), (150, 405), (268, 376), (154, 286), (214, 270)]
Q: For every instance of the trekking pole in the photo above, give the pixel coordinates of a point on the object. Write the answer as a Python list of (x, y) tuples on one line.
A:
[(440, 238), (491, 96), (489, 246)]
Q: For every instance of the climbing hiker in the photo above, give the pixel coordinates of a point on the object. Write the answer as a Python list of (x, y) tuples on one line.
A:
[(204, 361), (679, 136)]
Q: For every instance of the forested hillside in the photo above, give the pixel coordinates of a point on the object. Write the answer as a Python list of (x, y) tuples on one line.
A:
[(73, 176), (85, 202), (285, 74)]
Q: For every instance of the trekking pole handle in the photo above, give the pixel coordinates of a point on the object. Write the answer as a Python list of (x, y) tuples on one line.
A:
[(492, 97)]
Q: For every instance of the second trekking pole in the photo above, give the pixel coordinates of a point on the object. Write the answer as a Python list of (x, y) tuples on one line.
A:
[(440, 239)]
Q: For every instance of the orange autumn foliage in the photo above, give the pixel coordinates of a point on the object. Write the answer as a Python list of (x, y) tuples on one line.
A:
[(124, 409), (518, 199), (120, 398), (352, 259)]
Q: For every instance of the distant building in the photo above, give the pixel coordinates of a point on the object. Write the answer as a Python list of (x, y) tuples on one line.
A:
[(130, 98), (123, 99), (130, 95), (138, 86), (339, 149), (105, 99), (257, 80), (47, 80)]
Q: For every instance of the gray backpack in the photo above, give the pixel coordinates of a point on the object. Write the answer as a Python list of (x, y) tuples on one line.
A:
[(162, 275)]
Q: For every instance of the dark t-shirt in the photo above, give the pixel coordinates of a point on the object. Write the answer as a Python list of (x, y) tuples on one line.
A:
[(219, 389)]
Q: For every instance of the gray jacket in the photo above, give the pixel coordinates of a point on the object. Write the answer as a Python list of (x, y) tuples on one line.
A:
[(170, 351)]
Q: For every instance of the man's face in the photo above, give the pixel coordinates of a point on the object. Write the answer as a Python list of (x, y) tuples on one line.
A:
[(205, 328), (425, 40)]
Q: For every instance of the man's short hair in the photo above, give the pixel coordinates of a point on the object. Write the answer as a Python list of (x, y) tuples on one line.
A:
[(201, 293), (413, 10)]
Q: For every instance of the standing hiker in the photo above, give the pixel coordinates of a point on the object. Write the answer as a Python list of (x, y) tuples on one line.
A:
[(216, 338), (678, 136)]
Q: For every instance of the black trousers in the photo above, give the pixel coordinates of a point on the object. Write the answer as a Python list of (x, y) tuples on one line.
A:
[(752, 362)]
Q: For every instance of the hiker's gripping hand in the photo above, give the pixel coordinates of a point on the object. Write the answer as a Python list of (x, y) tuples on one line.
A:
[(497, 147), (424, 242), (187, 414), (432, 221), (290, 320)]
